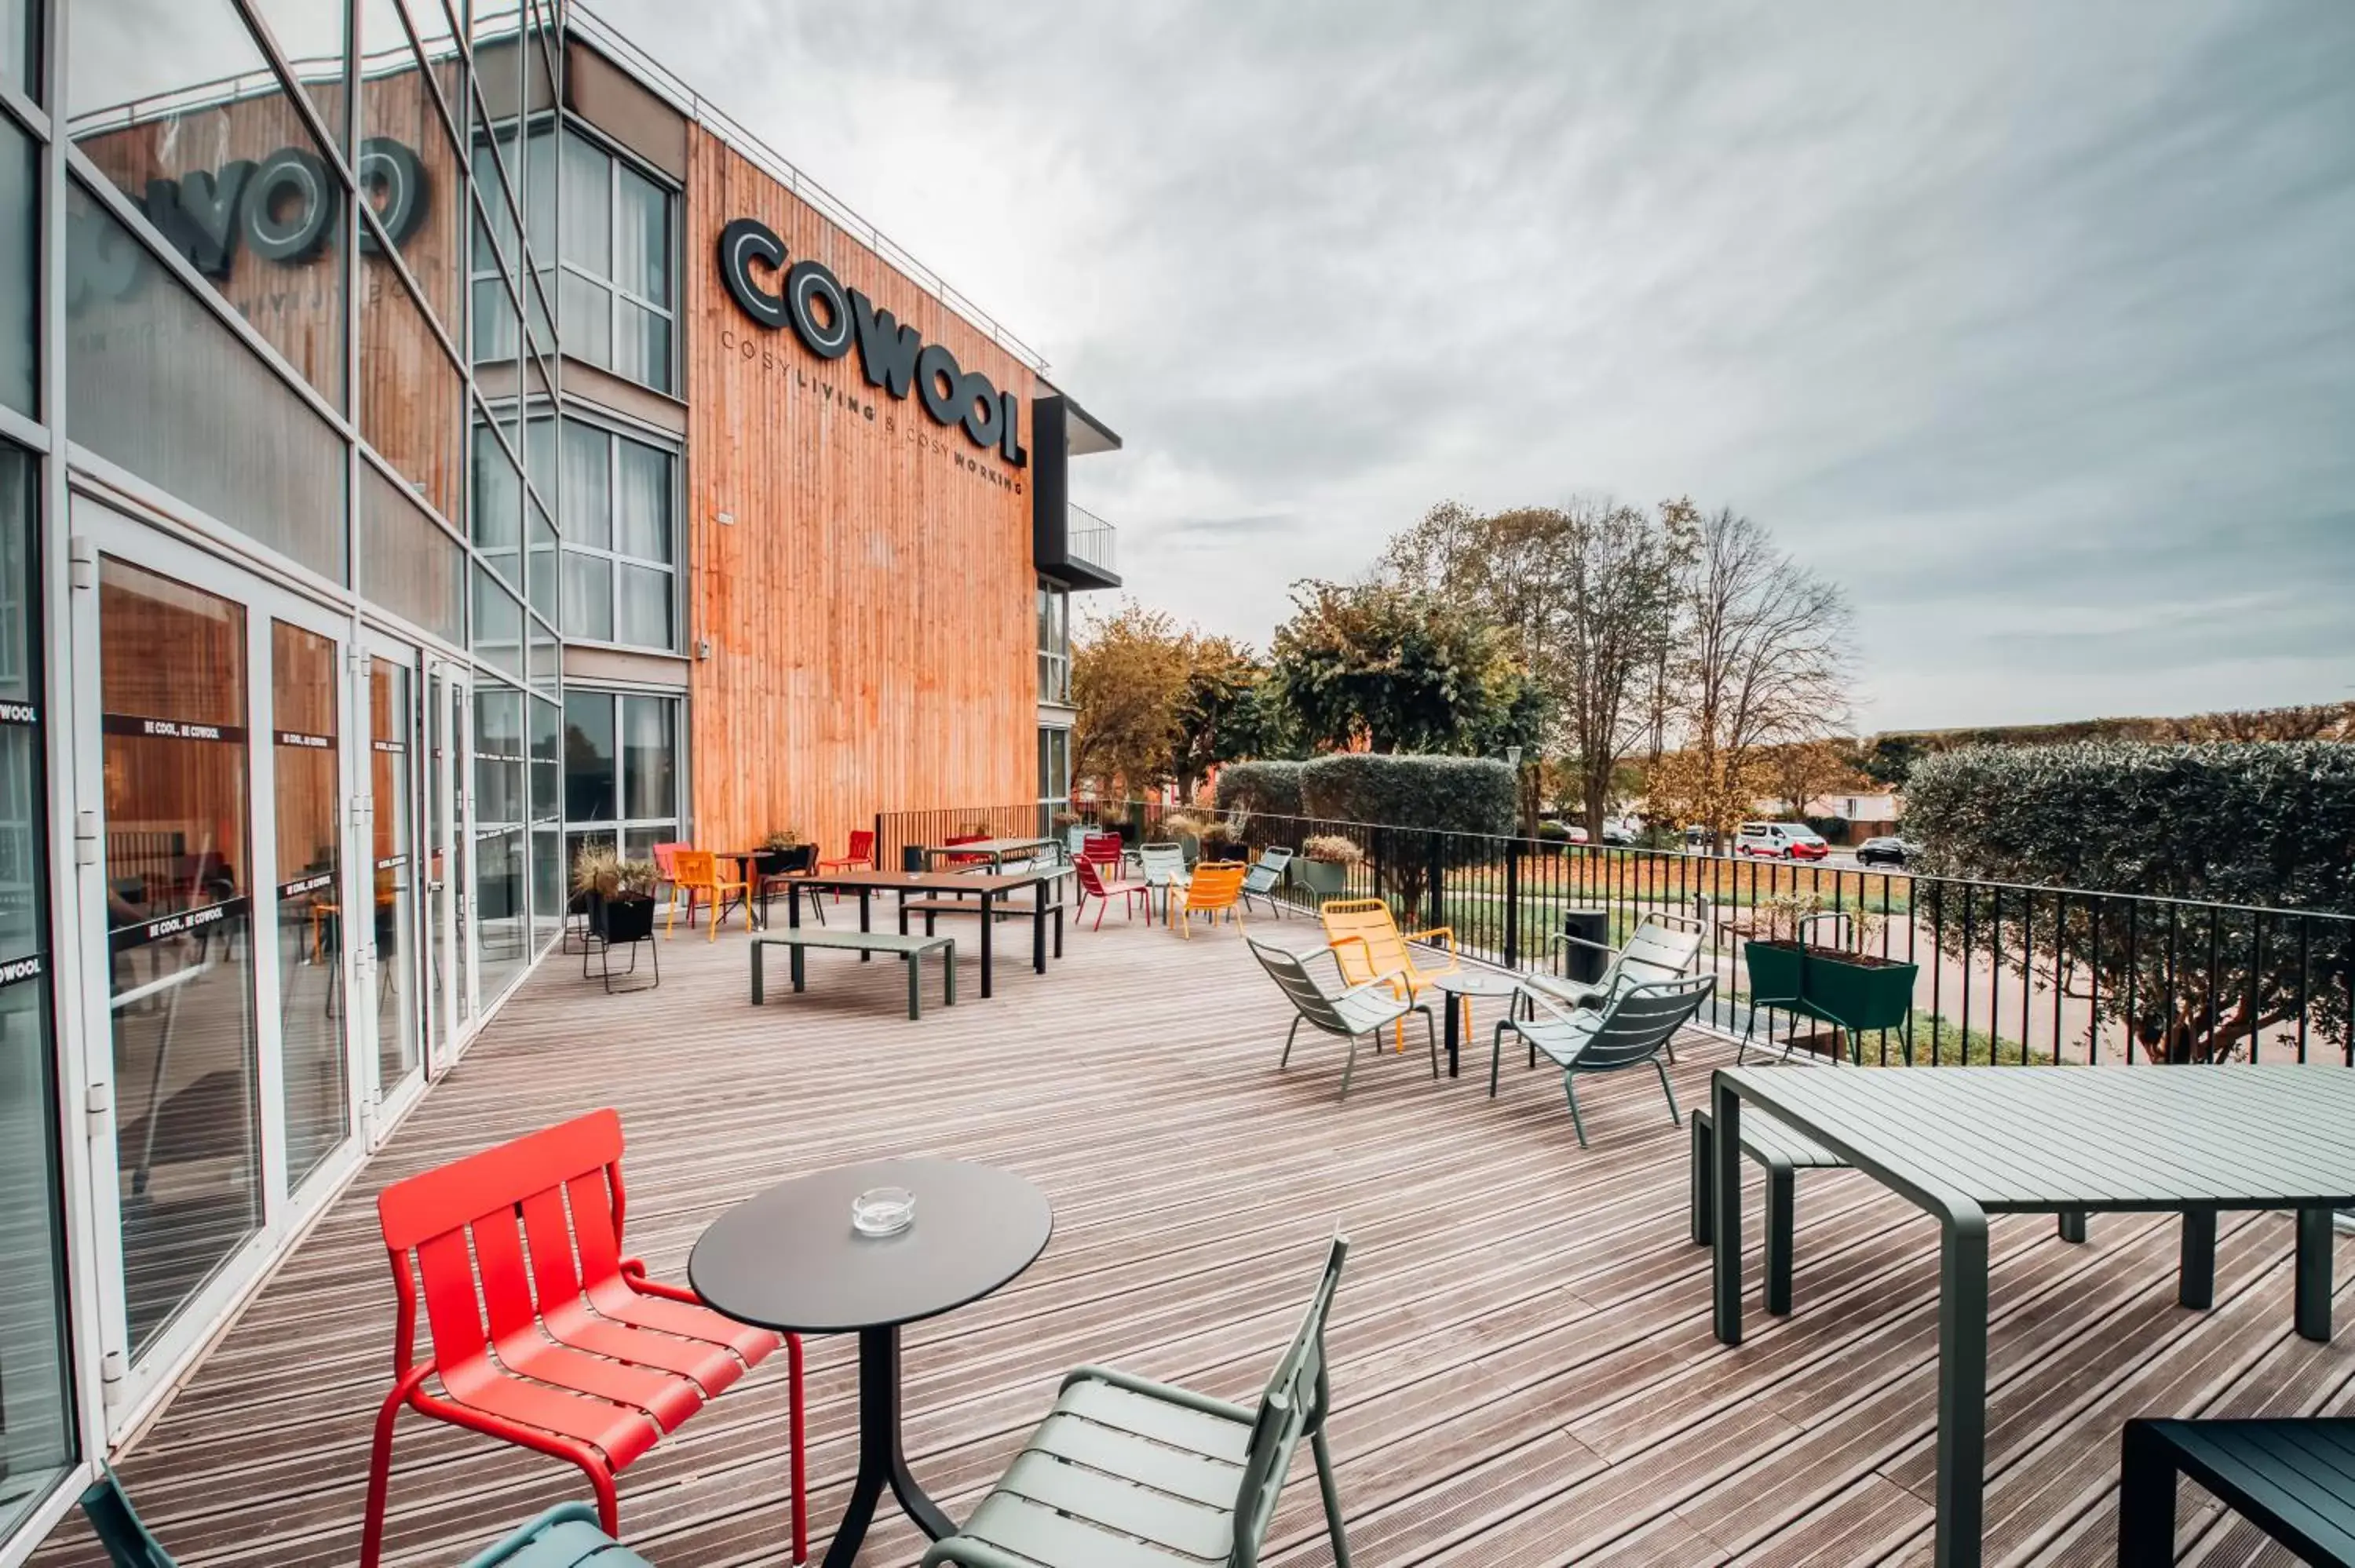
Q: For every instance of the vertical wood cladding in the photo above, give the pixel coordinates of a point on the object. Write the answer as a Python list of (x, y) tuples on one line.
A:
[(869, 609)]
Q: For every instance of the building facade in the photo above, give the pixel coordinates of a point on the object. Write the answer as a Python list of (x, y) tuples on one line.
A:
[(431, 439)]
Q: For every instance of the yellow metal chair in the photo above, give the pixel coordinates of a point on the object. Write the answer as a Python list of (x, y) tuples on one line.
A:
[(696, 873), (1368, 946), (1215, 886)]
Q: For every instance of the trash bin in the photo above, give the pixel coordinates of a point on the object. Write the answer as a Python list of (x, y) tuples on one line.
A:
[(1585, 965), (911, 857)]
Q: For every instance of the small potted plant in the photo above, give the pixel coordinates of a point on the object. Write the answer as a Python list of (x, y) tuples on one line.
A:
[(1222, 840), (1324, 864), (784, 853), (1186, 829)]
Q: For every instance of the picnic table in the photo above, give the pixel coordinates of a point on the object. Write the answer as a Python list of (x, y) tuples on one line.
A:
[(992, 890), (1967, 1142), (997, 852)]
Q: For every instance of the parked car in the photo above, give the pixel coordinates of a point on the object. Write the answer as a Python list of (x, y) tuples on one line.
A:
[(1619, 833), (1781, 841), (1698, 840), (1886, 849)]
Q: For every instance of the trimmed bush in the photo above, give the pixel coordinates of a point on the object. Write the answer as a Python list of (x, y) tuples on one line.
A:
[(1452, 794), (2237, 824), (1272, 788)]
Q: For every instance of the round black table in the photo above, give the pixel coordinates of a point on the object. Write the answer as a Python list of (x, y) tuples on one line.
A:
[(789, 1260)]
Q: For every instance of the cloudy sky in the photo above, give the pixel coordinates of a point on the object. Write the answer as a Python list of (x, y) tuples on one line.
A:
[(2032, 324)]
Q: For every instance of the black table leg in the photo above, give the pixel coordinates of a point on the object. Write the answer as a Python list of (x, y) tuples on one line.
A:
[(793, 908), (880, 1461), (1038, 929), (988, 919), (1453, 1031), (864, 910)]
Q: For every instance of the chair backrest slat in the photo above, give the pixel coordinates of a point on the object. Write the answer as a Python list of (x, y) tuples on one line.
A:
[(1321, 1007), (862, 843), (1365, 937), (1293, 1402), (1643, 1017), (693, 867), (665, 856), (1216, 884), (1163, 863)]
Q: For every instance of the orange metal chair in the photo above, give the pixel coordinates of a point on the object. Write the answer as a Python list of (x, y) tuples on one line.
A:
[(1368, 946), (1216, 884), (696, 873), (543, 1333)]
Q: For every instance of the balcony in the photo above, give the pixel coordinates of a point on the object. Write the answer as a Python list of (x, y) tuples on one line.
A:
[(1089, 541), (1523, 1370)]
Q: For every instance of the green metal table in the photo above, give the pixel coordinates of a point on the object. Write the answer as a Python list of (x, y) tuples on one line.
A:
[(1967, 1142)]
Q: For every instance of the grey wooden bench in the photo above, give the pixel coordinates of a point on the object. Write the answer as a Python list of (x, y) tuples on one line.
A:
[(2293, 1479), (1783, 1154), (911, 948)]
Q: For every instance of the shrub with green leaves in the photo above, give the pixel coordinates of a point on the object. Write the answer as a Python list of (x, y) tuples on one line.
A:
[(1441, 796), (2250, 825), (1269, 788)]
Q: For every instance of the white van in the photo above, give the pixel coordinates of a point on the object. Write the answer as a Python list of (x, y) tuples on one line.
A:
[(1781, 841)]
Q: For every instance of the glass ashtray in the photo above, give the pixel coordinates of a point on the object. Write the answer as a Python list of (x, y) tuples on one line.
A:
[(882, 1211)]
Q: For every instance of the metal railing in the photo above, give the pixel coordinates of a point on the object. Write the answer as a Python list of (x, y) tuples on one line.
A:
[(1089, 540), (2002, 972)]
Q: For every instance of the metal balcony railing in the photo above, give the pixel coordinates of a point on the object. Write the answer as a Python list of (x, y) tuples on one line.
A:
[(1091, 541)]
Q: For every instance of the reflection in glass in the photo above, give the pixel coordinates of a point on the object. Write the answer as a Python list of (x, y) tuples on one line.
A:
[(407, 563), (412, 397), (547, 864), (310, 35), (156, 383), (171, 100), (20, 232), (649, 757), (642, 501), (311, 916), (187, 1148), (424, 216), (396, 891), (642, 616), (499, 501), (588, 597), (543, 562), (589, 776), (20, 55), (498, 623), (36, 1430), (501, 905), (587, 486)]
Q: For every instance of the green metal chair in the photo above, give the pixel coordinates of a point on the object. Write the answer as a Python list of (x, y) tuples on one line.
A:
[(1662, 947), (1130, 1474), (1261, 879), (564, 1537), (1163, 866), (1632, 1032), (1349, 1011)]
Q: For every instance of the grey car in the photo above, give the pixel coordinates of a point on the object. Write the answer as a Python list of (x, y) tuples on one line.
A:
[(1888, 849)]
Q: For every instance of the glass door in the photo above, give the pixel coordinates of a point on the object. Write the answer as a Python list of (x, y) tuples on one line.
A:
[(388, 693), (220, 869)]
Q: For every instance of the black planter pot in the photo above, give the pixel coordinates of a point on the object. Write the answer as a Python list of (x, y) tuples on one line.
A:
[(625, 919)]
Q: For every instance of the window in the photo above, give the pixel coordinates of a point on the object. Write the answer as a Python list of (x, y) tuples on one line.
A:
[(1054, 642), (502, 900), (614, 294), (1054, 766), (620, 534), (19, 265), (20, 46), (621, 772)]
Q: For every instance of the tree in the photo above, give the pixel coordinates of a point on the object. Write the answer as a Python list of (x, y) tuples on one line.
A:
[(1802, 769), (1762, 659), (2243, 830), (1584, 594), (1382, 667), (1129, 675), (1218, 718)]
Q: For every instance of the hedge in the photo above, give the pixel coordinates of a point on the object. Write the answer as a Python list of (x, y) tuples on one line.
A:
[(1272, 787), (1449, 794)]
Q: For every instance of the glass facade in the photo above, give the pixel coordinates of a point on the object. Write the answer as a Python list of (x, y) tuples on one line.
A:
[(614, 295), (622, 784), (20, 237), (621, 538)]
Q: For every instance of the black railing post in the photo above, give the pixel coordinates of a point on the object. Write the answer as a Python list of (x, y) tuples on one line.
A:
[(1512, 903), (1433, 861)]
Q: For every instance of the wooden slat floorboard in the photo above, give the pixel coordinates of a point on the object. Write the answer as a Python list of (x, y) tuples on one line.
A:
[(1522, 1360)]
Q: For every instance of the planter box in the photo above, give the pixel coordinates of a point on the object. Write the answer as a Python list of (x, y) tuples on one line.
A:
[(1325, 878), (622, 919), (1855, 992)]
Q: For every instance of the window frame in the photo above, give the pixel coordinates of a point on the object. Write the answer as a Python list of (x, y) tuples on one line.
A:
[(616, 158), (621, 825), (569, 544), (1055, 662)]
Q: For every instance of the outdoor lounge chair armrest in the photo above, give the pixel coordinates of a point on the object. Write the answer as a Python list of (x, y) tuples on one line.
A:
[(966, 1553), (1562, 1014), (1564, 939), (1161, 1391), (1446, 931)]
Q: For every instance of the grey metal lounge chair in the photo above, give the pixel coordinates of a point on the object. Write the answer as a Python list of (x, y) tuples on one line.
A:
[(1163, 866), (1344, 1010), (1130, 1474), (1662, 946), (1631, 1032), (1260, 880)]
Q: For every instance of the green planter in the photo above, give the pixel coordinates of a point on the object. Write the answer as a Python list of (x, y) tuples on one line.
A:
[(1828, 984), (1325, 878)]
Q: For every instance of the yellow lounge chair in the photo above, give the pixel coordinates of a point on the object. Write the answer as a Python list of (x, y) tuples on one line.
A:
[(1369, 946), (1215, 886)]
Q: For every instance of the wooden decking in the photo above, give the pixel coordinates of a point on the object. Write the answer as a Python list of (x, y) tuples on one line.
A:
[(1524, 1371)]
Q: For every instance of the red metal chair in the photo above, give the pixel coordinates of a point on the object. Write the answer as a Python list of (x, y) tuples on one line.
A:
[(861, 855), (1104, 848), (1094, 882), (590, 1361)]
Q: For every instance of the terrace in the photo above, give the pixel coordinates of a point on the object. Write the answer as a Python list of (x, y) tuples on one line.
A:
[(1524, 1370)]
